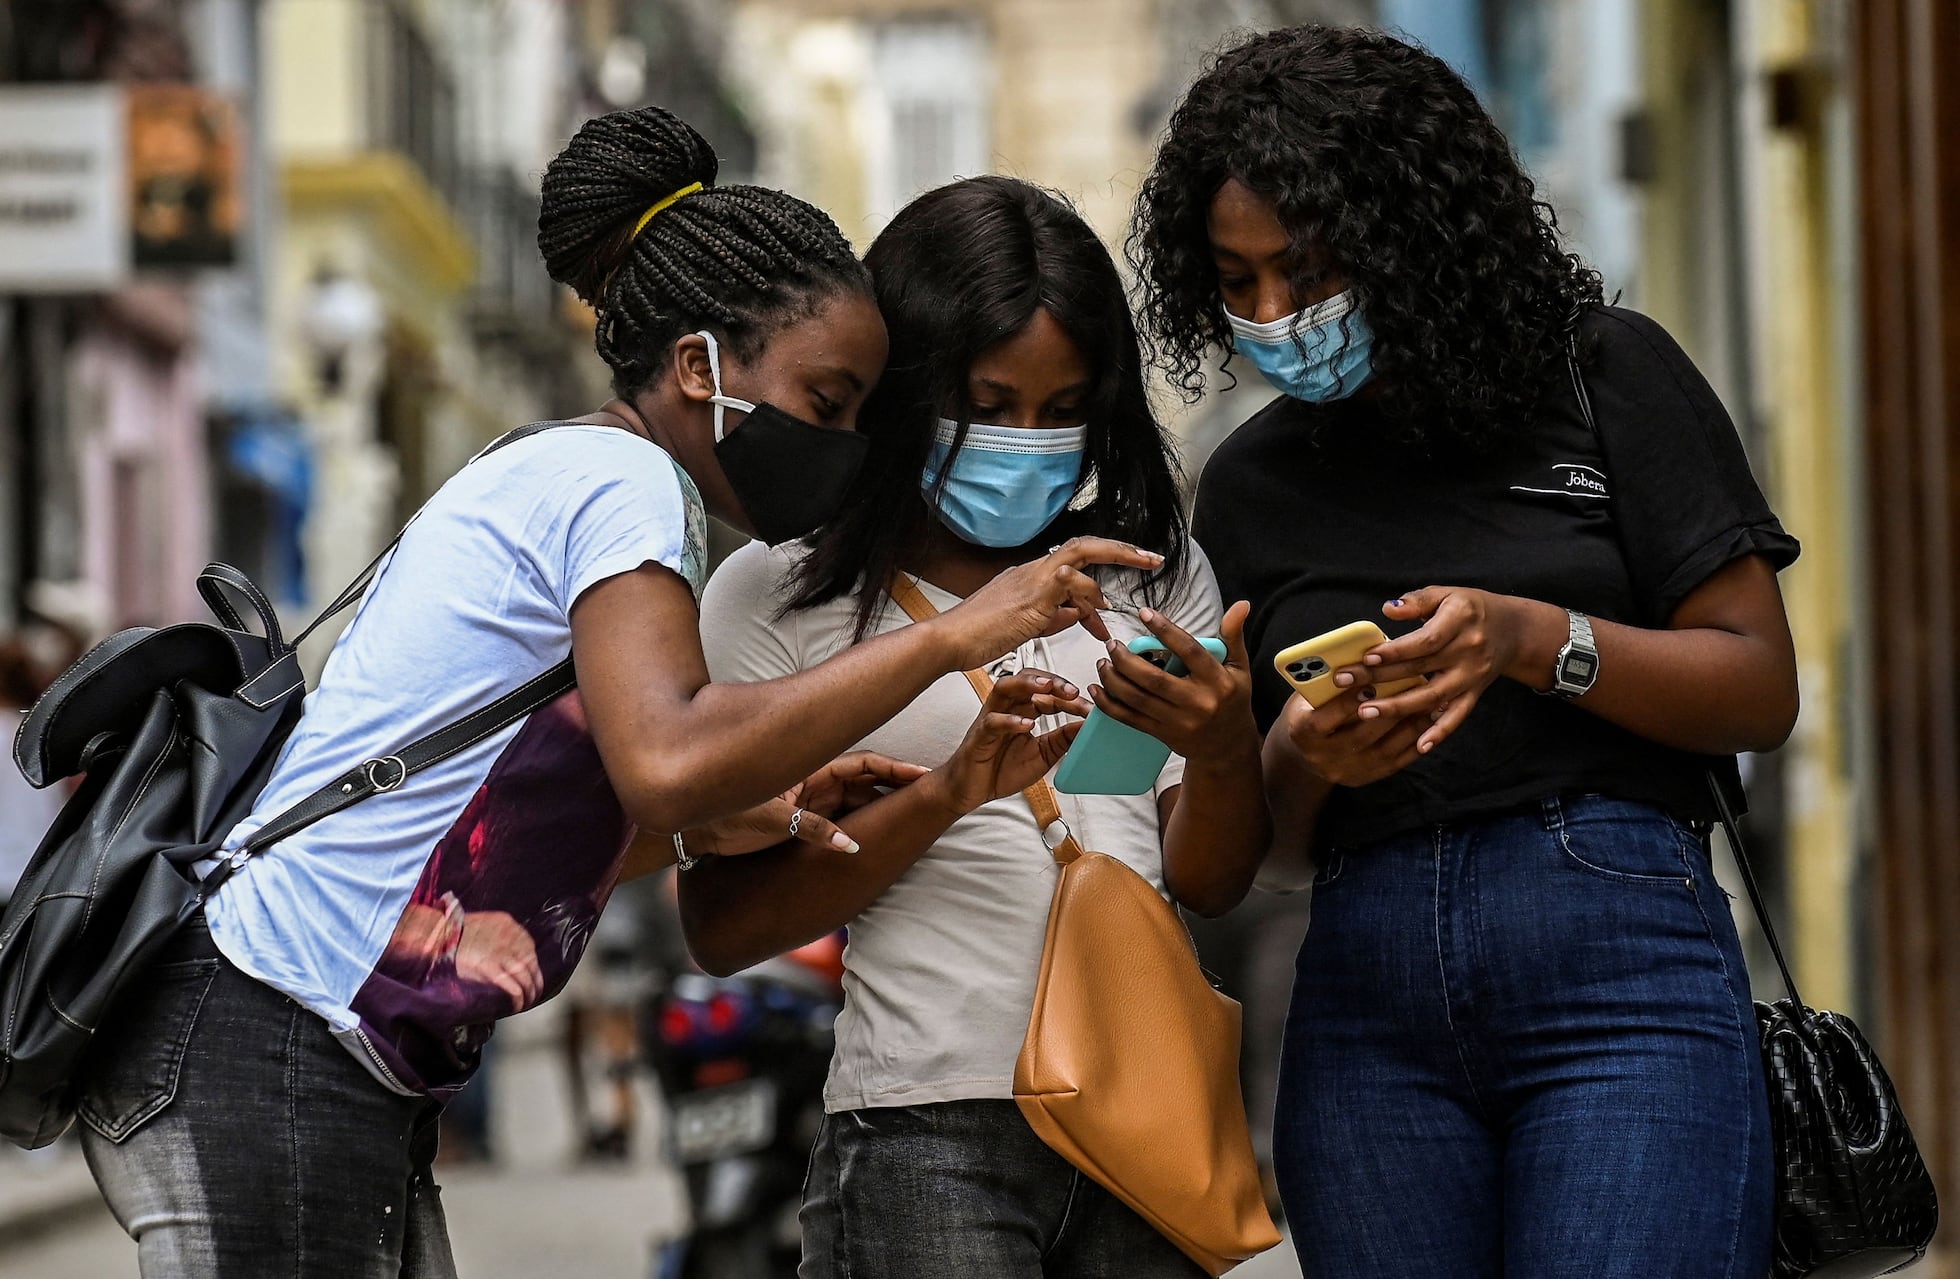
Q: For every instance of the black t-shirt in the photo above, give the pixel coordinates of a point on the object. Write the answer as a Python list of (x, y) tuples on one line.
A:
[(1299, 515)]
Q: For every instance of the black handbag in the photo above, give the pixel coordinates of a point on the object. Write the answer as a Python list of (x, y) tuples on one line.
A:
[(1853, 1197), (176, 731)]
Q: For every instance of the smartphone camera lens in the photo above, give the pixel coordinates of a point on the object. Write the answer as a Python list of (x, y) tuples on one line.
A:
[(1298, 670), (1316, 667)]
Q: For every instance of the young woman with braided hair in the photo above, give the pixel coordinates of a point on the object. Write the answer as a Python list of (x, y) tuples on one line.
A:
[(267, 1102)]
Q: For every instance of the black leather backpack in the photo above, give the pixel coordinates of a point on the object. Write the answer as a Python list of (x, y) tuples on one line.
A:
[(174, 732)]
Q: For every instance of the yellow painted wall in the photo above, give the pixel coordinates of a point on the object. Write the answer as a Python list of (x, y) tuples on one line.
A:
[(1803, 370), (1796, 258), (313, 52)]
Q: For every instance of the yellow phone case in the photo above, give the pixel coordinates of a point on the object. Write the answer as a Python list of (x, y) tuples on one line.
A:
[(1310, 667)]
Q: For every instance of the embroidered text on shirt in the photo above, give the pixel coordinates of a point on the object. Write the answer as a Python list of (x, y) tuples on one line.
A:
[(1574, 480)]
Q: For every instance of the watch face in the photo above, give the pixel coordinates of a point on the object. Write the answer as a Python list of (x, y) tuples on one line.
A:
[(1579, 668)]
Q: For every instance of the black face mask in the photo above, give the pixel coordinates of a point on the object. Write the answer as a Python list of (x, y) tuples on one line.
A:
[(790, 476)]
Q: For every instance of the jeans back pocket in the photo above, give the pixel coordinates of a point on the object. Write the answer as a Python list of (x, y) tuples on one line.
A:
[(132, 1066)]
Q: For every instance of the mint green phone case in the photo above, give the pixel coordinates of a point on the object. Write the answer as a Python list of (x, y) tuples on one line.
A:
[(1109, 757)]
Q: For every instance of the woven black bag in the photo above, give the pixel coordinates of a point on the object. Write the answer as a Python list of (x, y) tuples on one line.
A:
[(1853, 1197)]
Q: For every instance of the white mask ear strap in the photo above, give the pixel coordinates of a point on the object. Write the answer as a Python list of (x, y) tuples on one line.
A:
[(720, 401)]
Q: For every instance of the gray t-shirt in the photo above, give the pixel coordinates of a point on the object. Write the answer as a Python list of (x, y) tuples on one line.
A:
[(940, 971)]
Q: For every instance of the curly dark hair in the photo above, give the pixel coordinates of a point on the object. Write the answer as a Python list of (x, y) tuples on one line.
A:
[(741, 260), (957, 270), (1387, 171)]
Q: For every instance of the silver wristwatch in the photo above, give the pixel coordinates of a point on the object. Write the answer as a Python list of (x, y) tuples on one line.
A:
[(1577, 664)]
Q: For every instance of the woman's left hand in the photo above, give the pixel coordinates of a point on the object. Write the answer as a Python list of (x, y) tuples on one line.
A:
[(1469, 639), (846, 783), (1204, 715)]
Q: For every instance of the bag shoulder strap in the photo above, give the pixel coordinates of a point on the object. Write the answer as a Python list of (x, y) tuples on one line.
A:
[(1040, 796), (389, 772), (1722, 806)]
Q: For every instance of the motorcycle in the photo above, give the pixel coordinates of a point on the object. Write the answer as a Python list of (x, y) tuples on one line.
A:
[(742, 1062)]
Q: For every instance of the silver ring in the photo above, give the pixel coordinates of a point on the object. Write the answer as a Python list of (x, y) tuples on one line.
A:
[(1056, 547), (375, 778), (795, 823)]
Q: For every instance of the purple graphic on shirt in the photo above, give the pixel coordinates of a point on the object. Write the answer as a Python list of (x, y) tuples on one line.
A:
[(504, 907)]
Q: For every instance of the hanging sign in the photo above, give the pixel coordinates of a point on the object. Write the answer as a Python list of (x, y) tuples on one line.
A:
[(64, 190)]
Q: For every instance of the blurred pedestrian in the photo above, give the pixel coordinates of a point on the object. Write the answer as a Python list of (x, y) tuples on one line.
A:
[(25, 813), (603, 1006), (1521, 1040), (340, 986), (1013, 415)]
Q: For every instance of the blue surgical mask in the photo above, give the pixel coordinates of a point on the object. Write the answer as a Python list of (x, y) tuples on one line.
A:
[(1325, 363), (1007, 484)]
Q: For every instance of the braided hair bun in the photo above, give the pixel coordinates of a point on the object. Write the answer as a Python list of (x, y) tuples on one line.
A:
[(741, 260)]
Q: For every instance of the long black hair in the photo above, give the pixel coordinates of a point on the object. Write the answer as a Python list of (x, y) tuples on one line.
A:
[(1380, 157), (740, 260), (959, 269)]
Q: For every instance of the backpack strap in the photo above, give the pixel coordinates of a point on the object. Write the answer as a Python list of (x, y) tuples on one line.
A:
[(389, 771), (1055, 834)]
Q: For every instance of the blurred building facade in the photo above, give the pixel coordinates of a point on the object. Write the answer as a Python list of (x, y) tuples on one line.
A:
[(381, 313), (414, 320), (1801, 220), (105, 482)]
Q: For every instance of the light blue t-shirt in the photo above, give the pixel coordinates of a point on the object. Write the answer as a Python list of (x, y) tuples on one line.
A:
[(413, 920)]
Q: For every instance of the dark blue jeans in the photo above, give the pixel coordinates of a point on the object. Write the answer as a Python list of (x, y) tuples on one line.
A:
[(1524, 1046)]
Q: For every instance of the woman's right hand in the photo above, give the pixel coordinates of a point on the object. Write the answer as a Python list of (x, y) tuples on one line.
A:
[(1041, 597), (1002, 755), (1344, 749), (847, 782)]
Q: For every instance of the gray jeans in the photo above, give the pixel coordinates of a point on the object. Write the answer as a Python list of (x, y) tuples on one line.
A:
[(965, 1190), (232, 1136)]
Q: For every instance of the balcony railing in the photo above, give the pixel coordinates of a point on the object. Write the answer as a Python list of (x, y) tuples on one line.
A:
[(501, 212), (411, 100)]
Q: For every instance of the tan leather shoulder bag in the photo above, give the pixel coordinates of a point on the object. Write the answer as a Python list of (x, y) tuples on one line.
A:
[(1130, 1069)]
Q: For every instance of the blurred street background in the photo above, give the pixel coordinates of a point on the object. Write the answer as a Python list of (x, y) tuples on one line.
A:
[(268, 276)]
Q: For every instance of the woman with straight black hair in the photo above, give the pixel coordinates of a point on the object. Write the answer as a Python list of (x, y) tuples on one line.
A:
[(966, 266), (1012, 414), (1521, 1040)]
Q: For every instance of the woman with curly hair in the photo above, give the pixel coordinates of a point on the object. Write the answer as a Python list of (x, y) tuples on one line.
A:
[(1521, 1041)]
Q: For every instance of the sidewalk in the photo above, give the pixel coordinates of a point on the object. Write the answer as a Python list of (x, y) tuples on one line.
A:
[(43, 1191)]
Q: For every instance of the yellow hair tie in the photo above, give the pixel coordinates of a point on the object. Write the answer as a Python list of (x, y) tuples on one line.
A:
[(647, 217)]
